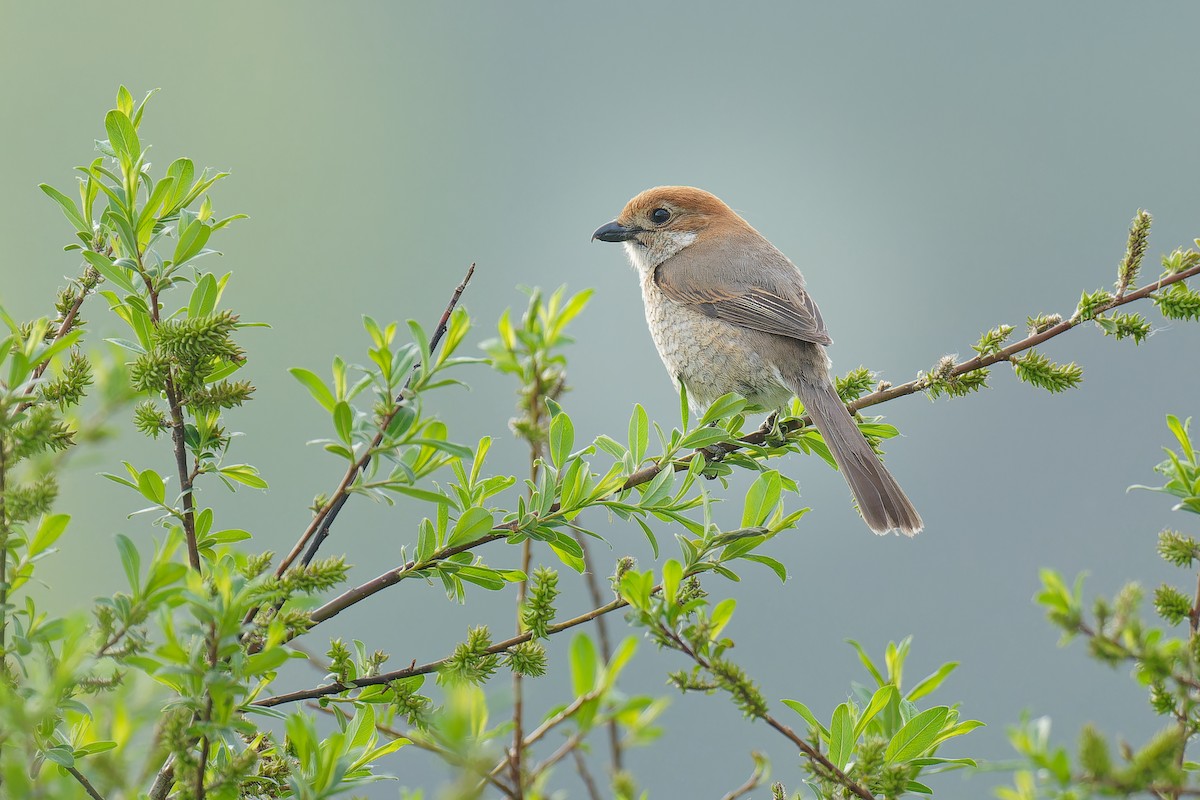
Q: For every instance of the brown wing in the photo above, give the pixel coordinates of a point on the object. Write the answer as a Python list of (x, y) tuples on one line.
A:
[(755, 287)]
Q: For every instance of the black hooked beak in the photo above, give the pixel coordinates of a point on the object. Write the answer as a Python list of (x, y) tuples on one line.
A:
[(615, 232)]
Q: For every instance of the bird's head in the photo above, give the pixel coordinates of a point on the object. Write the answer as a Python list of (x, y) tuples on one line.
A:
[(660, 222)]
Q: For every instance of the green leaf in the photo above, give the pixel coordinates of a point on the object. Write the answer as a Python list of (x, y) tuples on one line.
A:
[(879, 701), (562, 439), (91, 748), (426, 541), (932, 682), (51, 527), (724, 406), (917, 735), (809, 717), (721, 614), (118, 276), (761, 499), (773, 564), (122, 136), (125, 101), (474, 523), (150, 210), (343, 421), (704, 437), (841, 737), (486, 577), (266, 661), (672, 573), (244, 474), (639, 433), (204, 297), (866, 662), (316, 387), (60, 754), (152, 487), (130, 561), (69, 209), (659, 488), (192, 239), (584, 665)]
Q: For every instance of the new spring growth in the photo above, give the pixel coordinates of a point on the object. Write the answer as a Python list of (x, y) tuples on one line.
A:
[(471, 664), (1135, 249)]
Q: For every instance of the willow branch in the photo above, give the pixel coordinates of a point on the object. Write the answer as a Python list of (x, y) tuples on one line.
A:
[(753, 782), (647, 473), (67, 322), (319, 527), (432, 666), (85, 783)]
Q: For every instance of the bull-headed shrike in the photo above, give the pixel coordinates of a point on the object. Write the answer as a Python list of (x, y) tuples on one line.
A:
[(729, 313)]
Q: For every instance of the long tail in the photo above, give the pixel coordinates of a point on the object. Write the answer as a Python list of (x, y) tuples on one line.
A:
[(882, 502)]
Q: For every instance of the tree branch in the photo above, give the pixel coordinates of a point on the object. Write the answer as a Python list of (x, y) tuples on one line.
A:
[(753, 782), (87, 785), (432, 666), (86, 284), (318, 529)]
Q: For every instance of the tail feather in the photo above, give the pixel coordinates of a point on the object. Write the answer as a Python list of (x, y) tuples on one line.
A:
[(881, 501)]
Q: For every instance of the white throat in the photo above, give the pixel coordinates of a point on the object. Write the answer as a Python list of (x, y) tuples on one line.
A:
[(666, 244)]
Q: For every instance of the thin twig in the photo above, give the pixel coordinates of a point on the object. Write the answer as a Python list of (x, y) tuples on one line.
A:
[(753, 782), (67, 322), (586, 776), (432, 666), (87, 785), (813, 754), (318, 529), (547, 726), (206, 718), (421, 742), (597, 598), (558, 755)]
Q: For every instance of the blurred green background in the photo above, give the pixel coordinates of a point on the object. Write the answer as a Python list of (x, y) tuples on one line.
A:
[(934, 169)]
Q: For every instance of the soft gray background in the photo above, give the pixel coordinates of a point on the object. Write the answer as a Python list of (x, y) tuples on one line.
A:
[(934, 169)]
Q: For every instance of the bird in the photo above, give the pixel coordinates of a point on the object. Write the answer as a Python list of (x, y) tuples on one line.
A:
[(728, 312)]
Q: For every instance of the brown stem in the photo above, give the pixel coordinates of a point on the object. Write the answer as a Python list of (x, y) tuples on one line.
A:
[(418, 740), (752, 783), (1028, 342), (318, 529), (808, 750), (547, 726), (518, 745), (432, 666), (86, 284), (593, 587), (206, 718), (185, 476), (558, 755), (588, 782), (815, 755), (87, 785)]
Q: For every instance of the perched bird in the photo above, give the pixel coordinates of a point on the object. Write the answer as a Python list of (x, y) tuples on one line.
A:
[(729, 313)]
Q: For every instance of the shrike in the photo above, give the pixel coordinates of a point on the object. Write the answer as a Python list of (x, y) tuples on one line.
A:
[(728, 313)]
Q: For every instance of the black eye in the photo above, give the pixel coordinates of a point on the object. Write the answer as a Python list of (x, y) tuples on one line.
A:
[(660, 215)]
